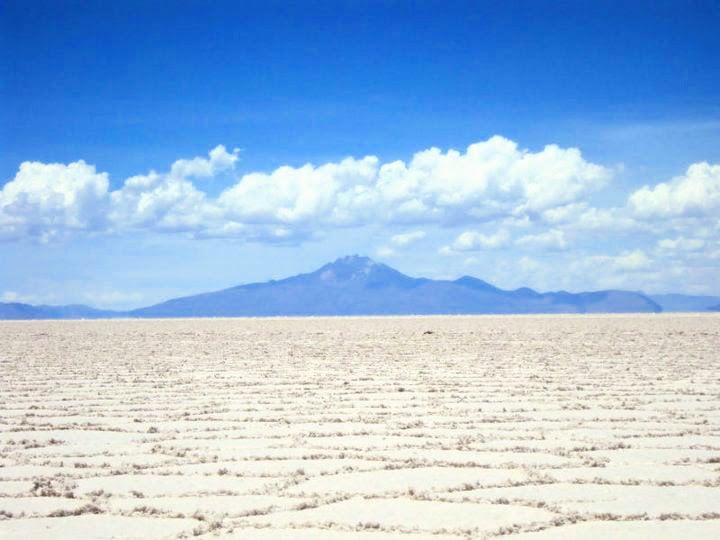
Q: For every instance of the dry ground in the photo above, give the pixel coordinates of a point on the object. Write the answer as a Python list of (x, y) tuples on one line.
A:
[(370, 428)]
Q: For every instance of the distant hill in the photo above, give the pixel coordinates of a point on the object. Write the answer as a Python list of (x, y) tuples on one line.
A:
[(359, 286), (684, 302), (17, 311)]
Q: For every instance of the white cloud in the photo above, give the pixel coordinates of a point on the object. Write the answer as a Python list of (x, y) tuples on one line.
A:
[(399, 241), (697, 193), (681, 244), (405, 239), (334, 193), (627, 261), (264, 233), (552, 239), (630, 269), (475, 241), (518, 222), (46, 200), (564, 214), (630, 260), (607, 219), (490, 179), (157, 201), (385, 251), (490, 182), (171, 201), (219, 160), (583, 217)]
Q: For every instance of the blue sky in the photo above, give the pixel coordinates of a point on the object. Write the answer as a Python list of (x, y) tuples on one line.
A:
[(577, 144)]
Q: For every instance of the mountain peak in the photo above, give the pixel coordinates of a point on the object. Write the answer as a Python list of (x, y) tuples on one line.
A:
[(348, 268), (357, 285), (355, 261), (475, 283)]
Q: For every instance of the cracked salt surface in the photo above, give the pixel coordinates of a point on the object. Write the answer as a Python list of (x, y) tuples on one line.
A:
[(361, 428)]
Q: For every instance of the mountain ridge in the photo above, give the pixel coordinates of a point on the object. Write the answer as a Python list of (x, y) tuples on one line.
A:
[(357, 285), (686, 303)]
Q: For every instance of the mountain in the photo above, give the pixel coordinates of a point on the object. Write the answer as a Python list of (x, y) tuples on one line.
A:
[(17, 311), (358, 286), (684, 302)]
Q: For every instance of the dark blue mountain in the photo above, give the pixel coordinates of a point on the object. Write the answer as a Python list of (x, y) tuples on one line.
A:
[(18, 311), (359, 286), (684, 302)]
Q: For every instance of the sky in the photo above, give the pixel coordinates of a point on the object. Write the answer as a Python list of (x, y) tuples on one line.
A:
[(155, 149)]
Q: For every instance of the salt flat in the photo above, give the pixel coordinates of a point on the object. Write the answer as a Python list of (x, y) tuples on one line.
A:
[(416, 427)]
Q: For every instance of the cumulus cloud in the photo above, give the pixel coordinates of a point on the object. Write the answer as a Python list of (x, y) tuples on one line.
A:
[(399, 241), (171, 201), (687, 204), (46, 200), (696, 193), (629, 269), (630, 260), (627, 261), (267, 233), (552, 239), (540, 197), (336, 193), (489, 180), (385, 251), (405, 239), (219, 160), (475, 241), (581, 216), (681, 244), (565, 214), (157, 201), (607, 219)]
